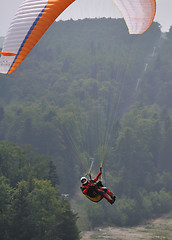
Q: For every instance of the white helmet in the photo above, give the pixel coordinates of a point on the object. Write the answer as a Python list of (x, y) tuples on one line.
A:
[(84, 180)]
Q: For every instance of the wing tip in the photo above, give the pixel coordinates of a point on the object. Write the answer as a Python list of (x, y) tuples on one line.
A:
[(7, 54)]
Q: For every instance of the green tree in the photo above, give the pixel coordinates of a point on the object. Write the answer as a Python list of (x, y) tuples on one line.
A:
[(52, 174), (17, 164), (19, 222), (5, 199), (49, 215)]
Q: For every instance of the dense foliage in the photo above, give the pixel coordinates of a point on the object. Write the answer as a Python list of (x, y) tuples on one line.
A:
[(89, 89), (31, 208)]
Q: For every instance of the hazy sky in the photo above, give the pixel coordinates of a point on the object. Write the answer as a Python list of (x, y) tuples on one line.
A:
[(79, 10)]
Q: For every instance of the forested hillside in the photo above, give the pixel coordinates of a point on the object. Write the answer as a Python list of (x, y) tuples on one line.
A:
[(31, 206), (89, 89)]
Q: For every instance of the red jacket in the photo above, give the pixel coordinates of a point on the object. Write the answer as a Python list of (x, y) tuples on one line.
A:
[(90, 183)]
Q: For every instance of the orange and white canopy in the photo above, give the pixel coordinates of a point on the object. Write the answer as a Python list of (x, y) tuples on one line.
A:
[(34, 17)]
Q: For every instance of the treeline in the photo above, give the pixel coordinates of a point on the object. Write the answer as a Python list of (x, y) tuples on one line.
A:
[(77, 96), (31, 206)]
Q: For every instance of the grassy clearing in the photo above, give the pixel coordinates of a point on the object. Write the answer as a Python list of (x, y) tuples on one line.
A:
[(158, 229)]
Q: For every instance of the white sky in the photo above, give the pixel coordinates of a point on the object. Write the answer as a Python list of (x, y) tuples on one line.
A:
[(163, 14)]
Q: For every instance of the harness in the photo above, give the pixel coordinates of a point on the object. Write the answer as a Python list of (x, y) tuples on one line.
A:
[(93, 194)]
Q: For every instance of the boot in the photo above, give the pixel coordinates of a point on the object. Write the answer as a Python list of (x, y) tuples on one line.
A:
[(113, 198), (111, 202)]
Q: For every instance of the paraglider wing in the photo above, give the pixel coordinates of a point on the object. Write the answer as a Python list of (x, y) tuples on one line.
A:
[(35, 16), (31, 21), (138, 14)]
